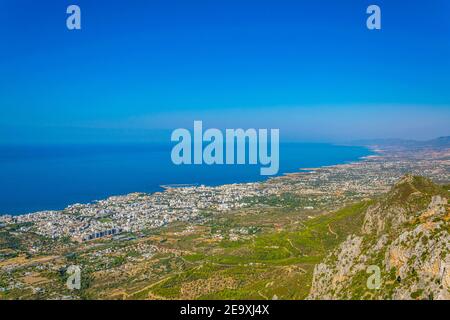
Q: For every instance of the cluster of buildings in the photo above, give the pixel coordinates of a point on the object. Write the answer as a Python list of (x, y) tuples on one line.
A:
[(328, 187), (137, 211)]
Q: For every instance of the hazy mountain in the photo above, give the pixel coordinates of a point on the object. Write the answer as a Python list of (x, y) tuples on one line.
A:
[(441, 142)]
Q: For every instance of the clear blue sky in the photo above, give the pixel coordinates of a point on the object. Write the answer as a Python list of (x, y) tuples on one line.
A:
[(140, 68)]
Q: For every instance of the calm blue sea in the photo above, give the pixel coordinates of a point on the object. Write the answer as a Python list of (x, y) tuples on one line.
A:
[(34, 178)]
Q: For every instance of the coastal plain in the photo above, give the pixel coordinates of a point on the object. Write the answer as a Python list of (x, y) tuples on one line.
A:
[(260, 240)]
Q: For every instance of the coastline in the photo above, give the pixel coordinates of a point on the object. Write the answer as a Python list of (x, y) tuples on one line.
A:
[(168, 187), (328, 188)]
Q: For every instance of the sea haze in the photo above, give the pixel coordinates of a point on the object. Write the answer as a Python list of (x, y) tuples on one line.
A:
[(36, 178)]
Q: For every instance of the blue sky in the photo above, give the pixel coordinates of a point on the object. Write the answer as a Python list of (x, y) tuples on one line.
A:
[(139, 69)]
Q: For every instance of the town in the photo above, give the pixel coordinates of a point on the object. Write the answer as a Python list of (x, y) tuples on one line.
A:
[(146, 237), (314, 189)]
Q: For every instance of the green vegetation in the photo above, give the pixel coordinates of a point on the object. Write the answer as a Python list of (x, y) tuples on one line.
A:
[(272, 263), (256, 252)]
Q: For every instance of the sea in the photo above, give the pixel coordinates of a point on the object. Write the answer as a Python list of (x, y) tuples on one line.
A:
[(38, 178)]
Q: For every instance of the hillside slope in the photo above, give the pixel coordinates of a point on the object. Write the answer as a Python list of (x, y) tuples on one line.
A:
[(404, 236)]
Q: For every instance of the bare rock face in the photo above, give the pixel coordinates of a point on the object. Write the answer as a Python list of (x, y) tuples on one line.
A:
[(338, 268), (405, 236)]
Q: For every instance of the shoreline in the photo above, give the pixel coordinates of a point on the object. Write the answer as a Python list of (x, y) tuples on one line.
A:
[(328, 188), (165, 187)]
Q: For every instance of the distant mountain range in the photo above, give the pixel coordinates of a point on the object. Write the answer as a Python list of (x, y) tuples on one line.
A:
[(441, 142)]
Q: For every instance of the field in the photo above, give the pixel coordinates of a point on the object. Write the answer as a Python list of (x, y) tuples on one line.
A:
[(264, 252)]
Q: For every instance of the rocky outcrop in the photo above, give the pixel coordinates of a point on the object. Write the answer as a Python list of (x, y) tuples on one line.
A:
[(337, 269), (403, 245)]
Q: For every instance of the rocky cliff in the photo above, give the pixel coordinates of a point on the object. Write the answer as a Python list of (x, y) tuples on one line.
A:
[(401, 251)]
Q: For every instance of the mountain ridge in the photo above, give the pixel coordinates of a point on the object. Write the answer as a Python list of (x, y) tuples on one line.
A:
[(405, 236), (440, 142)]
